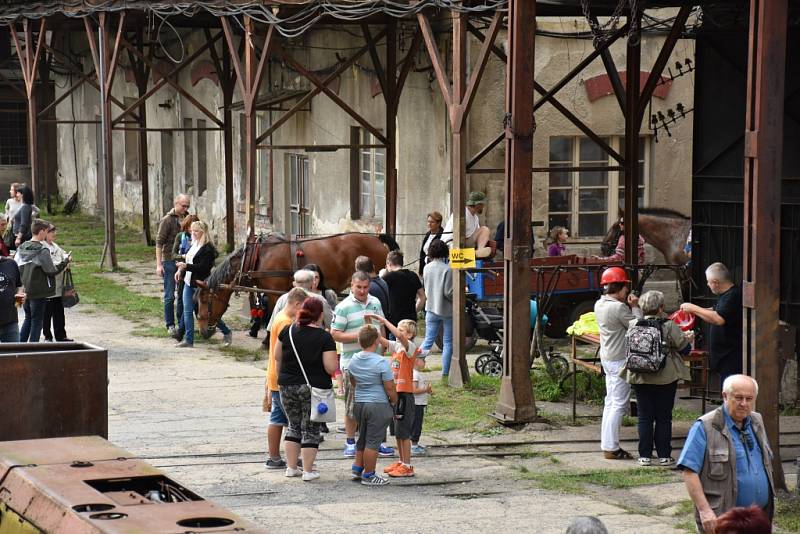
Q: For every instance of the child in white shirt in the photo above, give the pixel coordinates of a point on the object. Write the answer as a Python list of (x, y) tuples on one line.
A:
[(422, 390)]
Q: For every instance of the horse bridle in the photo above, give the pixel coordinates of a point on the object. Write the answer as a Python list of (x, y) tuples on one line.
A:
[(246, 275)]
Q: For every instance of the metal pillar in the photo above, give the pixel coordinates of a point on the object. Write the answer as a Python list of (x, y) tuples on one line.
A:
[(392, 101), (762, 210), (516, 402), (632, 126), (459, 373), (141, 74)]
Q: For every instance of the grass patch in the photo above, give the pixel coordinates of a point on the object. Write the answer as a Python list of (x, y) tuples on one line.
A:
[(241, 354), (683, 414), (461, 409), (83, 235), (627, 420), (575, 482), (591, 387), (787, 512), (150, 331), (791, 410), (685, 508)]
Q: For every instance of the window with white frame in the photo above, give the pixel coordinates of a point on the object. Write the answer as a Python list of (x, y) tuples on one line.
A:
[(588, 201), (373, 178)]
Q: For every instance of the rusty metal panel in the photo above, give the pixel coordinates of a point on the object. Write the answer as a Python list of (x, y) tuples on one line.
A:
[(87, 485), (53, 390)]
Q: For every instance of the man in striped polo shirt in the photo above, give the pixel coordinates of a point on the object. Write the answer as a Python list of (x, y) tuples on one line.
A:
[(348, 319)]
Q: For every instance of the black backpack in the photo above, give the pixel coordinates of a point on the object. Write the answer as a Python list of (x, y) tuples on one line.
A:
[(647, 347)]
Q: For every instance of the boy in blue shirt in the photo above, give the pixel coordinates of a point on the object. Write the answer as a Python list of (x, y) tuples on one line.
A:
[(371, 376)]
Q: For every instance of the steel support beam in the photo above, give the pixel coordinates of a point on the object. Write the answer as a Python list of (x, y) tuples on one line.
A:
[(227, 84), (763, 170), (392, 98), (632, 126), (28, 60), (141, 75), (516, 402)]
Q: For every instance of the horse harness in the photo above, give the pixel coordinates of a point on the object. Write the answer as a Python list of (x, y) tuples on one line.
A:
[(247, 269)]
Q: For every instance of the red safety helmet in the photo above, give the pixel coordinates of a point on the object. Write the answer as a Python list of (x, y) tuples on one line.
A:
[(614, 274)]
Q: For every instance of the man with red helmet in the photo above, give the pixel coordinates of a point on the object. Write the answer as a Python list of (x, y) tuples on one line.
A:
[(614, 312)]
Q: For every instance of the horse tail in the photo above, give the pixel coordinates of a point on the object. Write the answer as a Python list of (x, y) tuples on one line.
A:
[(389, 241)]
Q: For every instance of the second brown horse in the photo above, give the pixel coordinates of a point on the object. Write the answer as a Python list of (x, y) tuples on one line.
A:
[(269, 262)]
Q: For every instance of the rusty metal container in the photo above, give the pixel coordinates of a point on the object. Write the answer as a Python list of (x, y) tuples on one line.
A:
[(52, 390), (86, 485)]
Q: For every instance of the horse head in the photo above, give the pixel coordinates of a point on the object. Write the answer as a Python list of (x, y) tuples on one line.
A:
[(214, 293)]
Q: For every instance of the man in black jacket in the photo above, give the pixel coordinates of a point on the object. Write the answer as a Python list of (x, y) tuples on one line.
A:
[(37, 270)]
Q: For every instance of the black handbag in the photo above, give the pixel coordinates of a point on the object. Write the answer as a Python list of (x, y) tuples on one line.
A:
[(69, 295)]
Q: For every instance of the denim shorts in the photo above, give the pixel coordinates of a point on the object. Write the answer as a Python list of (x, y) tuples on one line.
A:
[(277, 416)]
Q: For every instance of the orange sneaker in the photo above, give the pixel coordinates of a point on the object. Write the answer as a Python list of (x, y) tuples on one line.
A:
[(402, 471), (392, 467)]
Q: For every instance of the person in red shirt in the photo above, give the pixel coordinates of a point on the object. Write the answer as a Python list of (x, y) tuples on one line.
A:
[(404, 354)]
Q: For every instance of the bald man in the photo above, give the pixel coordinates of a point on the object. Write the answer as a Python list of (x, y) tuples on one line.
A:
[(168, 229)]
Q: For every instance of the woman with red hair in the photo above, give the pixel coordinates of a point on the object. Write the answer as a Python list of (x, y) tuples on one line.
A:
[(304, 349), (750, 520)]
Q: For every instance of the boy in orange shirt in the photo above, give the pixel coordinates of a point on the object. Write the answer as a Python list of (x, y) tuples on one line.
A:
[(404, 354)]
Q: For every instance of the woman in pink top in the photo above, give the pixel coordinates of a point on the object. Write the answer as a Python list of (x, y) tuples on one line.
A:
[(619, 251)]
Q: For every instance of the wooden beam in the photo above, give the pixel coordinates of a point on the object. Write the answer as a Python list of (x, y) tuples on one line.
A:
[(92, 45), (436, 59), (175, 85), (480, 66), (163, 81), (112, 68), (264, 60), (313, 78), (237, 64), (315, 91), (376, 61)]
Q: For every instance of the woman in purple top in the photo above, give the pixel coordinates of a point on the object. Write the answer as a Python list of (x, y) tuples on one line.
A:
[(557, 241)]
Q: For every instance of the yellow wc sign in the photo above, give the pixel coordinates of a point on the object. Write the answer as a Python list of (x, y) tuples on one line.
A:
[(462, 258)]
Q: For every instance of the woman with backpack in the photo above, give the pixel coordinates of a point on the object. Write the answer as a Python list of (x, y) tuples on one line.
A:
[(657, 343)]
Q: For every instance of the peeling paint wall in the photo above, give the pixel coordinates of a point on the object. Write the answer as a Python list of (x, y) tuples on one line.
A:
[(423, 132)]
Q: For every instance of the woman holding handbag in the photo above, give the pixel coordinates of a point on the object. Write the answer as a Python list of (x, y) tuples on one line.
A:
[(54, 306), (305, 357)]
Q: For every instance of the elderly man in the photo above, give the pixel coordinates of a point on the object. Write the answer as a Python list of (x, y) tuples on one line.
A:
[(168, 228), (475, 235), (725, 322), (303, 279), (726, 460)]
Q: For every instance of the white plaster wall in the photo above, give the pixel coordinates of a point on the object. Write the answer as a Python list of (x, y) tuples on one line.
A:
[(422, 126)]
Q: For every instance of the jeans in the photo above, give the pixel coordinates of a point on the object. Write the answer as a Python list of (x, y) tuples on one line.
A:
[(179, 306), (169, 291), (188, 313), (618, 393), (654, 403), (432, 324), (34, 318), (54, 312), (9, 333)]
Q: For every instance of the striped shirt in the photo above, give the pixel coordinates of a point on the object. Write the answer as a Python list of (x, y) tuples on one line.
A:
[(348, 317)]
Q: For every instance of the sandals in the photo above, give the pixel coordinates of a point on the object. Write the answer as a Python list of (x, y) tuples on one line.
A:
[(618, 454)]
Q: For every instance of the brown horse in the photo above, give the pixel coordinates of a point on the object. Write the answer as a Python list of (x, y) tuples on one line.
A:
[(666, 230), (268, 262)]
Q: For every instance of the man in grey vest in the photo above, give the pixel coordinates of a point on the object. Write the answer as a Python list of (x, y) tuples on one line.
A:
[(726, 460)]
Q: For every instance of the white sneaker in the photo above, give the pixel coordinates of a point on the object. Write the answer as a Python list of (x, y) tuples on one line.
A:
[(293, 472), (645, 462), (308, 476), (666, 462)]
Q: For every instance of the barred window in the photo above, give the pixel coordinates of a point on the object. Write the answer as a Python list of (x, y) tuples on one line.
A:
[(13, 133)]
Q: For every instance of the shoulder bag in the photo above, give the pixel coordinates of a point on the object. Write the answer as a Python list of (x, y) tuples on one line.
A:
[(69, 295), (323, 403)]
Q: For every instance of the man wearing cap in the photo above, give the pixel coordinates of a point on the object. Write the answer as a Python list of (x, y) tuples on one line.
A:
[(475, 236), (614, 312)]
